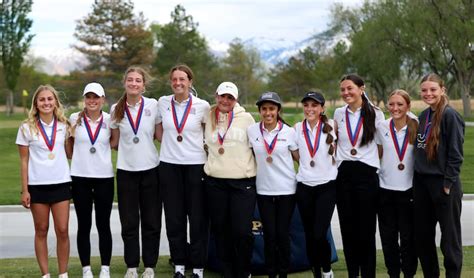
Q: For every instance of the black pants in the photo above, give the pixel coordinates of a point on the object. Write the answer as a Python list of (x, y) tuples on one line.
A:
[(396, 222), (357, 186), (432, 205), (316, 206), (183, 193), (231, 204), (276, 212), (139, 204), (100, 193)]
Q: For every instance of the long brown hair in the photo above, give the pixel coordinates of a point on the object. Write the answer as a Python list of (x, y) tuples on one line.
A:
[(367, 111), (119, 110), (433, 142), (412, 124), (58, 111)]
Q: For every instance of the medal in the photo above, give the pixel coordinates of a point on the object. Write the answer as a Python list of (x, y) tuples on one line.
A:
[(312, 148), (93, 136), (220, 138), (49, 141), (400, 151), (135, 124), (270, 147), (353, 137), (180, 125)]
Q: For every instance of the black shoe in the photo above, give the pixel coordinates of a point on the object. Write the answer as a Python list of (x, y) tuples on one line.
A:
[(178, 275)]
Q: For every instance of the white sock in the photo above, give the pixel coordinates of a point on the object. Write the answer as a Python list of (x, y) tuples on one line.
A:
[(105, 268), (133, 269), (86, 268), (64, 275), (179, 268), (199, 271)]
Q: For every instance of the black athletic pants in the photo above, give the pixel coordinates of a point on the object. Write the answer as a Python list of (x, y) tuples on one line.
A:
[(276, 213), (396, 223), (139, 205), (357, 187), (97, 192), (183, 193), (231, 204), (316, 207), (432, 205)]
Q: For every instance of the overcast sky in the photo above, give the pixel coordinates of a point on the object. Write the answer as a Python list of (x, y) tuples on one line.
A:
[(219, 21)]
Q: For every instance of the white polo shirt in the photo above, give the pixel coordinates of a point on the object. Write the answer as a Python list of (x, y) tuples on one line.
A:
[(87, 164), (143, 155), (191, 149), (278, 177), (41, 169), (324, 170), (390, 176), (368, 153)]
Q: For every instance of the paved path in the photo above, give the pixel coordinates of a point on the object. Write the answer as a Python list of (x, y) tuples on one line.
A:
[(17, 232)]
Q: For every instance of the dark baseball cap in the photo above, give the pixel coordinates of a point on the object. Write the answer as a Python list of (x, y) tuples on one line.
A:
[(316, 96), (269, 97)]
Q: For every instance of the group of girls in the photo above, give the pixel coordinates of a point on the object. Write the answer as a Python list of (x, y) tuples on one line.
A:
[(216, 164)]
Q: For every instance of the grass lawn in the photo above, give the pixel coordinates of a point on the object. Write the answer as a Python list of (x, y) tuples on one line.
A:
[(27, 267), (10, 161)]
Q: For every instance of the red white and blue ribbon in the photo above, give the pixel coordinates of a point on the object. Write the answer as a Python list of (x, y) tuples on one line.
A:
[(49, 140), (93, 137), (427, 127), (135, 124), (312, 148), (400, 151), (180, 125), (270, 147), (220, 138), (353, 137)]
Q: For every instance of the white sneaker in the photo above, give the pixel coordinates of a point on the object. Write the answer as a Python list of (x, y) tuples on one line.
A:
[(104, 272), (87, 272), (148, 273), (64, 275), (131, 273), (329, 274), (47, 275)]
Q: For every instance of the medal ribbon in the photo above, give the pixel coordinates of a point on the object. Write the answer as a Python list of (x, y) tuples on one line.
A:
[(272, 145), (135, 124), (48, 140), (353, 137), (220, 138), (312, 149), (427, 128), (180, 126), (400, 152), (93, 137)]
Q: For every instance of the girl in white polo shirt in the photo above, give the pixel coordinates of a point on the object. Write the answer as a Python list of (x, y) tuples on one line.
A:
[(316, 189), (135, 122), (396, 137), (92, 177), (357, 180), (45, 178), (182, 159), (273, 143)]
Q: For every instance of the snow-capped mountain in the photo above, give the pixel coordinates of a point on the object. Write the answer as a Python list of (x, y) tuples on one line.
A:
[(272, 51)]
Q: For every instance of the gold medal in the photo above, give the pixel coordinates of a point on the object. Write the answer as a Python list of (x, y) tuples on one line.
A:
[(269, 159), (51, 156)]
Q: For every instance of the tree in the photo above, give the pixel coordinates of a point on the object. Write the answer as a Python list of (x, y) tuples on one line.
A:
[(179, 42), (113, 38), (14, 42), (245, 68)]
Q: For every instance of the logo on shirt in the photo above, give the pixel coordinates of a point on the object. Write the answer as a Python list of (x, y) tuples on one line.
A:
[(104, 125), (147, 112), (193, 111)]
